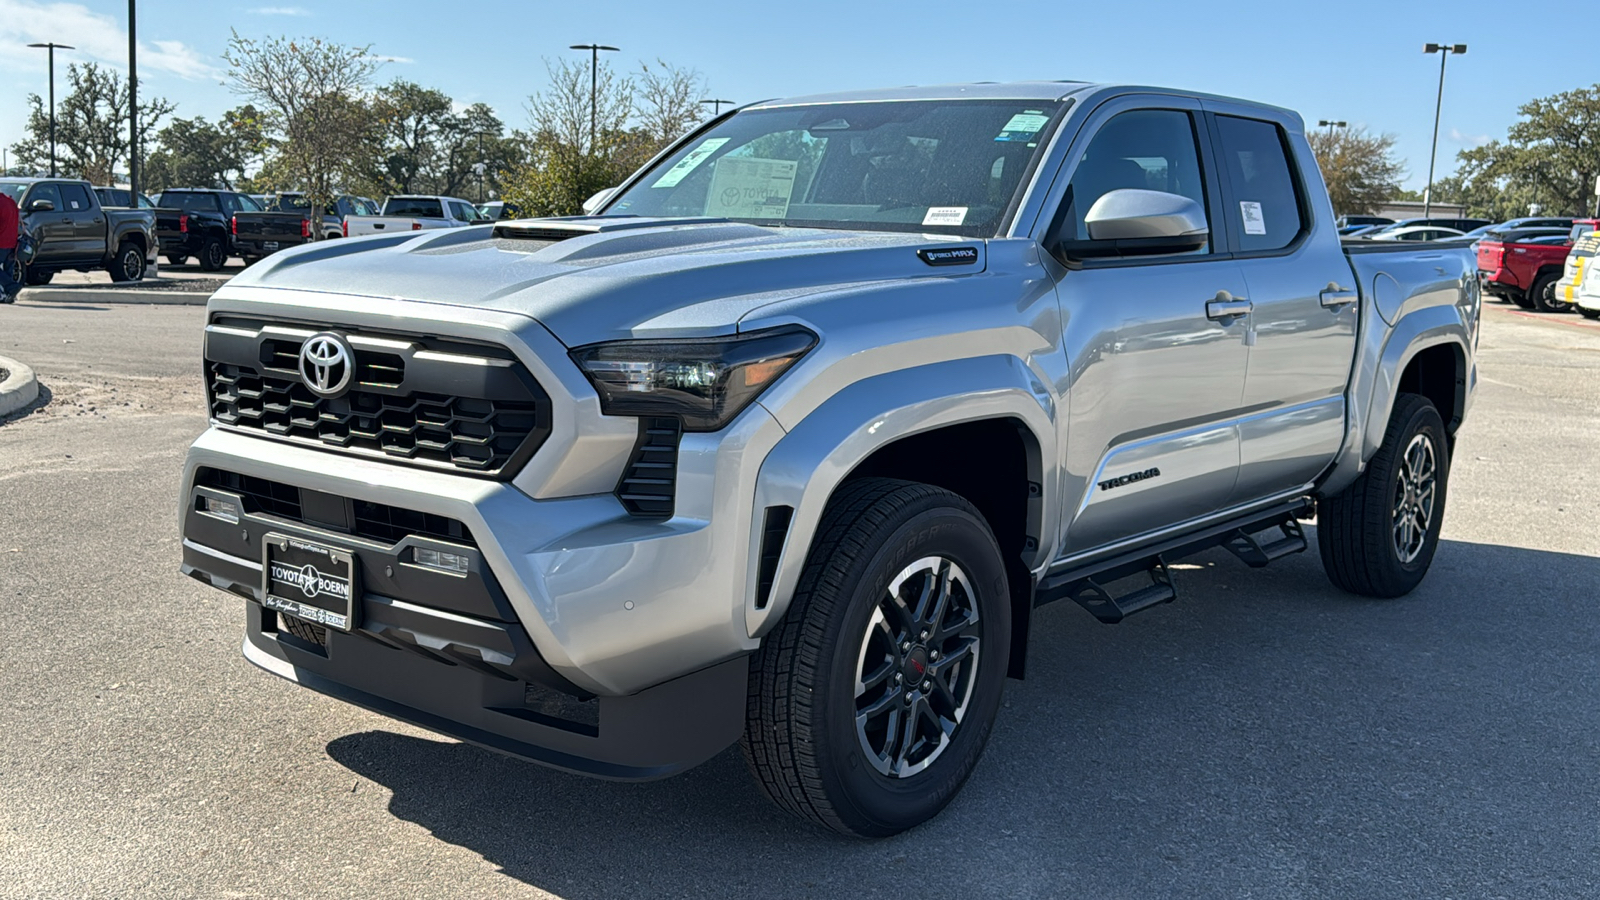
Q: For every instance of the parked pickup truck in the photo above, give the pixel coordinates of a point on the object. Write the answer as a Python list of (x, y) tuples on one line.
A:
[(198, 222), (411, 213), (73, 231), (288, 224), (787, 443), (1518, 266)]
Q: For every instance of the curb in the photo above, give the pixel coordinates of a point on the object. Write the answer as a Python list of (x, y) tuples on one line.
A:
[(19, 389), (111, 295)]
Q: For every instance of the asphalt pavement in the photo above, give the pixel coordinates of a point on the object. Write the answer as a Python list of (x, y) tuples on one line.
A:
[(1265, 736)]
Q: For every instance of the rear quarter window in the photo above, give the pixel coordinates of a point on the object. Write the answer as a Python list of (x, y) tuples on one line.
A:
[(1265, 201)]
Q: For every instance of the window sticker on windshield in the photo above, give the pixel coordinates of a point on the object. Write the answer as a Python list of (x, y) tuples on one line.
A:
[(750, 188), (1250, 212), (1023, 126), (689, 163), (945, 215)]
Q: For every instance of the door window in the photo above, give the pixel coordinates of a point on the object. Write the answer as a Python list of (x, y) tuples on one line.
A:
[(1144, 149), (463, 212), (44, 192), (1266, 201), (75, 199)]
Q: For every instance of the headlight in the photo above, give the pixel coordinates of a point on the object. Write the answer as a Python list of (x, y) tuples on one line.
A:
[(704, 382)]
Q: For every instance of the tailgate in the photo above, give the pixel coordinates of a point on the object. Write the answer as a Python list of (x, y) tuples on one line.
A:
[(270, 226), (381, 224), (1490, 255)]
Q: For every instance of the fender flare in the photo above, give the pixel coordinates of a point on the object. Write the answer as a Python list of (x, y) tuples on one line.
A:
[(805, 467)]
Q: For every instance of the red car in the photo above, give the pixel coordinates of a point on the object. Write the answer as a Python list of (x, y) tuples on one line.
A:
[(1522, 265)]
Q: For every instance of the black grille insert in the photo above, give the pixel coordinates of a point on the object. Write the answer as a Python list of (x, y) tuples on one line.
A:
[(651, 479), (430, 402), (373, 521)]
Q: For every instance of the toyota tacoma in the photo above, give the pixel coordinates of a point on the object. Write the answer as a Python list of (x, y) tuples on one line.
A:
[(784, 444)]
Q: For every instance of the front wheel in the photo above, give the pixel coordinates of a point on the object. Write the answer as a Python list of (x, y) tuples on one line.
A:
[(1588, 312), (873, 698), (1377, 537), (176, 259), (37, 277), (128, 264)]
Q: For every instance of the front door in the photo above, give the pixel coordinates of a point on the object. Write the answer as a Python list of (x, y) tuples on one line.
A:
[(53, 229), (1155, 345)]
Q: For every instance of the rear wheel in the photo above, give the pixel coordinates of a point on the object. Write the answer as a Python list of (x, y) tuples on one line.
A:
[(177, 259), (38, 277), (213, 255), (1377, 536), (128, 264), (1544, 294), (871, 701)]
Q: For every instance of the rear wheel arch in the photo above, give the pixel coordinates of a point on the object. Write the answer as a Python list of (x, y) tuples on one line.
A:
[(1438, 372)]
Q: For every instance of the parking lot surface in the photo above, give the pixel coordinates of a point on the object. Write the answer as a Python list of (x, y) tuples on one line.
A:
[(1265, 736)]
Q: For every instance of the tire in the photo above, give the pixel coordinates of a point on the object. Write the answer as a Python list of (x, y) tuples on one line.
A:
[(213, 256), (177, 259), (1365, 549), (801, 735), (37, 277), (128, 264), (1543, 294), (249, 260), (1588, 313), (1523, 300)]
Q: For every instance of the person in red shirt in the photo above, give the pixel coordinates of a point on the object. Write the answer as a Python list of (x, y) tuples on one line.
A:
[(9, 220)]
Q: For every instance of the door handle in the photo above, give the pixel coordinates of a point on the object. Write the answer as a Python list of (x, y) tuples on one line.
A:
[(1334, 296), (1223, 310)]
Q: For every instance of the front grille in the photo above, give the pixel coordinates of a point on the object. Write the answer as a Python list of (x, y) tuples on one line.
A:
[(373, 521), (425, 401), (650, 482)]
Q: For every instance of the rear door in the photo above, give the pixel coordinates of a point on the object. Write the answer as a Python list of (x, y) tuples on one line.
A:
[(88, 222), (1156, 370), (1303, 299)]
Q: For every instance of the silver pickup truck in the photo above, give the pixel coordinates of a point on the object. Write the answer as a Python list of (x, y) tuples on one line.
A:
[(785, 443)]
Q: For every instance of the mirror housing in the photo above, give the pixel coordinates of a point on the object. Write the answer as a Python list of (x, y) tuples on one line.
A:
[(1135, 222), (598, 200), (41, 206)]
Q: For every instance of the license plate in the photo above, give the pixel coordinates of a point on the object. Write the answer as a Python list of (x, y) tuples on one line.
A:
[(269, 245), (310, 581)]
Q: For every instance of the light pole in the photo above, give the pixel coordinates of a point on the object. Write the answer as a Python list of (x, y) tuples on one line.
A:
[(1444, 51), (1331, 125), (52, 47), (133, 104), (481, 166), (594, 81), (716, 106)]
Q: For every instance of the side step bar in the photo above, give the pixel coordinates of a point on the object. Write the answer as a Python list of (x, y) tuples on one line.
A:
[(1085, 582)]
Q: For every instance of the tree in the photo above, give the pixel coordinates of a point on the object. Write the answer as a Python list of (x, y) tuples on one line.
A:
[(1360, 168), (1549, 158), (196, 153), (668, 100), (91, 126), (313, 94)]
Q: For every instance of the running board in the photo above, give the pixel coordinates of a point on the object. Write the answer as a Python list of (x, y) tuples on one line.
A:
[(1092, 596), (1084, 582), (1256, 554)]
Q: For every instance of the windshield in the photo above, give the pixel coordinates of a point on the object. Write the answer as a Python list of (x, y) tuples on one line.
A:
[(14, 189), (420, 207), (949, 166), (187, 201)]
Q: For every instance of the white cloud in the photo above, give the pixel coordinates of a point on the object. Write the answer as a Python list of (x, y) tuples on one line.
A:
[(1473, 140), (395, 59), (95, 36), (281, 11)]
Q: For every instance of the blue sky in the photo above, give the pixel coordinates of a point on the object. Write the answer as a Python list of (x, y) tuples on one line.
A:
[(1356, 61)]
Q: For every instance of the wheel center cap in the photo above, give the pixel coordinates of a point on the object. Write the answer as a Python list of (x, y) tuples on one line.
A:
[(916, 665)]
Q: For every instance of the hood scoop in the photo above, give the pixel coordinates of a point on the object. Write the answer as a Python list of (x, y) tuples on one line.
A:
[(550, 230)]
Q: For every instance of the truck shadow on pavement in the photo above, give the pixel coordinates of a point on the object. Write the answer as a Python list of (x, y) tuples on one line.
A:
[(1264, 735)]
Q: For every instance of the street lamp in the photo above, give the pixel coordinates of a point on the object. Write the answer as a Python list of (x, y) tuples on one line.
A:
[(482, 165), (1444, 51), (52, 47), (594, 81), (133, 105), (716, 105), (1331, 125)]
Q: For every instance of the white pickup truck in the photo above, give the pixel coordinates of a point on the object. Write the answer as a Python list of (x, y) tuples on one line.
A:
[(415, 213)]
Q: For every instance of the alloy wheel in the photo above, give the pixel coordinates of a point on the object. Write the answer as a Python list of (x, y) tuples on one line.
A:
[(1415, 491), (917, 666)]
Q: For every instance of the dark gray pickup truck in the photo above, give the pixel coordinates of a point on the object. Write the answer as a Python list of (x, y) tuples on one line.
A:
[(74, 231)]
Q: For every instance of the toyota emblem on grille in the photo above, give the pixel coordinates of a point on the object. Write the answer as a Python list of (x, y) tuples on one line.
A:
[(326, 364)]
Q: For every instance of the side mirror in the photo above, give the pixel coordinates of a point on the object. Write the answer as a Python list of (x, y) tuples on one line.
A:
[(41, 206), (598, 200), (1134, 222)]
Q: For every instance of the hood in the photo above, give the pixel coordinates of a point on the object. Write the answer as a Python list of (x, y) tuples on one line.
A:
[(606, 278)]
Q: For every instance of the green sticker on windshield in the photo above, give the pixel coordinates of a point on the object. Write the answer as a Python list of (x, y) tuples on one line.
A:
[(689, 163), (1023, 126)]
